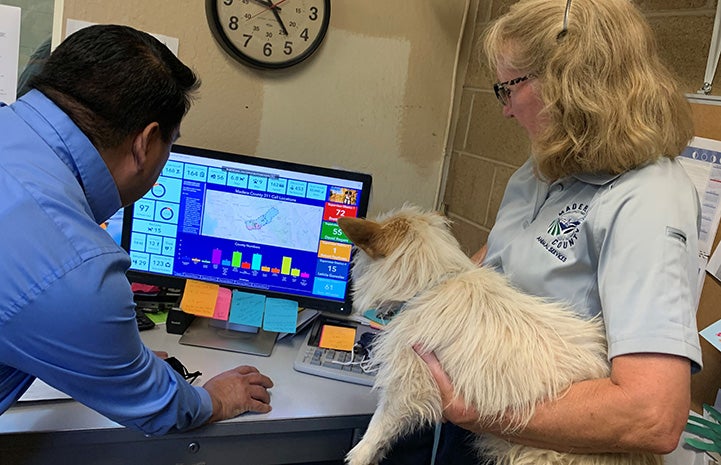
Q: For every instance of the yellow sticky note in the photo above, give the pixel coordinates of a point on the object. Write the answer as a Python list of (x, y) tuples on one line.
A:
[(337, 338), (199, 298)]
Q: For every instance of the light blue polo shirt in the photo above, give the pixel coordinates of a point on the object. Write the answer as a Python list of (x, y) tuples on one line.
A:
[(625, 247)]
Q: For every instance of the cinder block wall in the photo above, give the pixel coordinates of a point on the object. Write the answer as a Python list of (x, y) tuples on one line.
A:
[(487, 148)]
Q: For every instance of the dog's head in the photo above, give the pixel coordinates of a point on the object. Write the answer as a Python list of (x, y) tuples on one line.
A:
[(400, 254)]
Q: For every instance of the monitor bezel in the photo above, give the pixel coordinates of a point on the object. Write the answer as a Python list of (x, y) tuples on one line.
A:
[(317, 303)]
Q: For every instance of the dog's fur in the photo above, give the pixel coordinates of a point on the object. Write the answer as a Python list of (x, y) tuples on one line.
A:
[(504, 351)]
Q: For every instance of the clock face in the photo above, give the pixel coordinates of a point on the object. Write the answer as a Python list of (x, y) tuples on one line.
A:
[(269, 33)]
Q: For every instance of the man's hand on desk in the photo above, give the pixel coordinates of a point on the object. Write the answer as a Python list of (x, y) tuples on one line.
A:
[(242, 389)]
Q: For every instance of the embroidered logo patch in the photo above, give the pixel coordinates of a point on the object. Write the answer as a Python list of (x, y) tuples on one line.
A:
[(563, 231)]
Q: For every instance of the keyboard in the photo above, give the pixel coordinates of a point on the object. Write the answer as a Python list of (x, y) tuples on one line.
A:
[(349, 366), (143, 320)]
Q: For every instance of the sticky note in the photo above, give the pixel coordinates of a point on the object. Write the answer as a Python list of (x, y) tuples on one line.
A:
[(247, 308), (199, 298), (337, 337), (281, 315), (222, 304)]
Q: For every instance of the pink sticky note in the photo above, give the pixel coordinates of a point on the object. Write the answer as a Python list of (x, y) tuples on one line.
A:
[(222, 304)]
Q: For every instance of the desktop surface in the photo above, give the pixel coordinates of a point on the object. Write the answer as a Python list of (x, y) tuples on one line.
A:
[(307, 408)]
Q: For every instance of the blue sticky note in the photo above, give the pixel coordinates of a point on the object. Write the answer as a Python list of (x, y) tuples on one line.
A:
[(247, 308), (281, 315)]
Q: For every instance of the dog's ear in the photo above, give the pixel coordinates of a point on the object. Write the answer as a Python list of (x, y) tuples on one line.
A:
[(365, 234)]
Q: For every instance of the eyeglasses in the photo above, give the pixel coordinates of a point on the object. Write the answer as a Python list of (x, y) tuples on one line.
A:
[(180, 368), (503, 93)]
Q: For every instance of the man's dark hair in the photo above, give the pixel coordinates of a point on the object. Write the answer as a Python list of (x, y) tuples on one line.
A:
[(114, 80)]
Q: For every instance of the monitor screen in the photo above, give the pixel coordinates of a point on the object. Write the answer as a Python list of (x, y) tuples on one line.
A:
[(249, 223)]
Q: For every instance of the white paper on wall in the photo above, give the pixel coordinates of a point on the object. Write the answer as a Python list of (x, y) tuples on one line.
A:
[(702, 161), (9, 52)]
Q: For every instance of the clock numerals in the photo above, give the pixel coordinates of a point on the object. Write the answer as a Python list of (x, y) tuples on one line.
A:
[(313, 13), (268, 46), (269, 33)]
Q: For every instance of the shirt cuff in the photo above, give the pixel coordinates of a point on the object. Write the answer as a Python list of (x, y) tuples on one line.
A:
[(206, 405)]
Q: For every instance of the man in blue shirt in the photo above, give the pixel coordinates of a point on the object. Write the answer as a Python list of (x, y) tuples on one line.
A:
[(92, 136)]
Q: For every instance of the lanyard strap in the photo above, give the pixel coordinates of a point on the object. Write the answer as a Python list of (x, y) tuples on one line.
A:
[(436, 441)]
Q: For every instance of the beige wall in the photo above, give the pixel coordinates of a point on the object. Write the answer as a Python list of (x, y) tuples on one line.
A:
[(375, 98), (379, 95), (486, 148)]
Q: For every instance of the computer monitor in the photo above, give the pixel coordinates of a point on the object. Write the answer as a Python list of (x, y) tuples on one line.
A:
[(249, 223)]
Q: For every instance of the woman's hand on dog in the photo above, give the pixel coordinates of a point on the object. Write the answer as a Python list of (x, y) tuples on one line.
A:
[(455, 409), (479, 256)]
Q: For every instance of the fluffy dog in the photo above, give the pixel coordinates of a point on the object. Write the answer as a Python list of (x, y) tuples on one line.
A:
[(505, 351)]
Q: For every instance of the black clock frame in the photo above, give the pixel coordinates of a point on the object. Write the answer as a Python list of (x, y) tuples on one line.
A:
[(211, 13)]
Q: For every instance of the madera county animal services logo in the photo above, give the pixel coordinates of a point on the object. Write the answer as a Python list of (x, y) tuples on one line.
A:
[(563, 231)]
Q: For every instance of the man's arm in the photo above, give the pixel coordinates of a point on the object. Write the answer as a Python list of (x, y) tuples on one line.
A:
[(642, 407), (80, 336)]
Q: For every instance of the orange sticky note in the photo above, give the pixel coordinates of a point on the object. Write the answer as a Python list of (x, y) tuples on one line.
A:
[(199, 298), (222, 304), (337, 338)]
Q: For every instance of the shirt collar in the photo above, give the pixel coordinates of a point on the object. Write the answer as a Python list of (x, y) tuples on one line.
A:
[(598, 179), (74, 148)]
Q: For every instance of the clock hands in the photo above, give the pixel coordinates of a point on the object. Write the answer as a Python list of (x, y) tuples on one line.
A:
[(274, 9), (269, 5)]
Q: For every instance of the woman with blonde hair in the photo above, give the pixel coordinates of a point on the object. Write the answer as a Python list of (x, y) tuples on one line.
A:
[(609, 103), (601, 217)]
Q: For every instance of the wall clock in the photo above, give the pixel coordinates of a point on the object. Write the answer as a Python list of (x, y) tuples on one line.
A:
[(268, 33)]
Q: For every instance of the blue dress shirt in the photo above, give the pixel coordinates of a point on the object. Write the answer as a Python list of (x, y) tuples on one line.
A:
[(66, 308)]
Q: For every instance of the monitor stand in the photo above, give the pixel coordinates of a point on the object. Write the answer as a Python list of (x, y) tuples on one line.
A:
[(201, 333)]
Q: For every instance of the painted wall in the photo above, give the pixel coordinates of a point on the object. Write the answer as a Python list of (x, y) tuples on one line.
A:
[(375, 98)]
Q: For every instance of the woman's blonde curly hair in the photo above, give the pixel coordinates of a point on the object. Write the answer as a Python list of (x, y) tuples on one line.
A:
[(610, 104)]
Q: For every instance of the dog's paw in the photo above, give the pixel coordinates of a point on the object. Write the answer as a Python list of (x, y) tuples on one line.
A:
[(362, 454)]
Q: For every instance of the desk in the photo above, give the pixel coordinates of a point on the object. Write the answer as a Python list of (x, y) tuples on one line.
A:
[(313, 419)]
